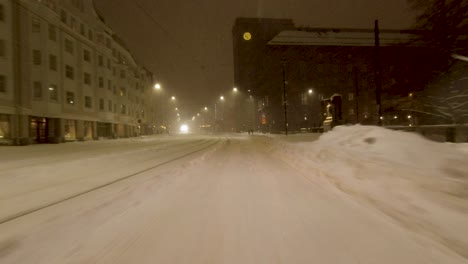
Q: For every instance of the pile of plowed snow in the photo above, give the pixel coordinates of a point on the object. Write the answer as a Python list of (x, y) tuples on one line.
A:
[(421, 184)]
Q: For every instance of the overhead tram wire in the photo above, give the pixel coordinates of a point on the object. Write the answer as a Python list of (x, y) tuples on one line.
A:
[(164, 30)]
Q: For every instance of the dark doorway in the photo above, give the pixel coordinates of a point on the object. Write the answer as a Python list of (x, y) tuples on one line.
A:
[(39, 129)]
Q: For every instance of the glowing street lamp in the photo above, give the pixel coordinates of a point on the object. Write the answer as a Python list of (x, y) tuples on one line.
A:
[(221, 98), (177, 109), (157, 86), (235, 89), (206, 108), (311, 91), (173, 98)]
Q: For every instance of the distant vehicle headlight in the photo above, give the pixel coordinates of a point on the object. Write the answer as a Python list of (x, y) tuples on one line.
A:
[(184, 129)]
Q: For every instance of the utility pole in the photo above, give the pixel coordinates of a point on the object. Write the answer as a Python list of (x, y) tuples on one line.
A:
[(378, 75), (285, 99)]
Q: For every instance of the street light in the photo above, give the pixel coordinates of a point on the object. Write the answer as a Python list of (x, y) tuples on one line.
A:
[(157, 86), (177, 109), (234, 89), (206, 108), (173, 98), (221, 98), (310, 91)]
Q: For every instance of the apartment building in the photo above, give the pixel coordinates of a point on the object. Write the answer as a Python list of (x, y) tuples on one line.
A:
[(65, 76)]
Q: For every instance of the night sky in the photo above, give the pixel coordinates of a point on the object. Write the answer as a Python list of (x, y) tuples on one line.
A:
[(187, 44)]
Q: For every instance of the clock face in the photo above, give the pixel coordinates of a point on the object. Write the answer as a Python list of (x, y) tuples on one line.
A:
[(247, 36)]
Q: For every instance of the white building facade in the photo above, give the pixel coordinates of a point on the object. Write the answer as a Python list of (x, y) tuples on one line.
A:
[(65, 76)]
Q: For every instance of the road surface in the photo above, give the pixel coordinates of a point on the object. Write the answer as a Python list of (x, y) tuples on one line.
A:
[(216, 200)]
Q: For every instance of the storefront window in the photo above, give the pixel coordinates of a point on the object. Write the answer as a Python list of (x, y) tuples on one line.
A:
[(70, 130), (4, 126)]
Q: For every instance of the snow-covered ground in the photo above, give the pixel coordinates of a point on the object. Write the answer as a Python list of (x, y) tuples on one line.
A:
[(354, 195), (420, 184)]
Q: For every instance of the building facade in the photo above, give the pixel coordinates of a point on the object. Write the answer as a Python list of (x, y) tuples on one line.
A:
[(300, 67), (65, 76)]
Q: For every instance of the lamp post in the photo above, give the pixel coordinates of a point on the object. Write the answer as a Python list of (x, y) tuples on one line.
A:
[(285, 98)]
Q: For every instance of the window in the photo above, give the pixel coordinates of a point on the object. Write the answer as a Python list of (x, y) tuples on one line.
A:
[(70, 98), (68, 46), (123, 91), (113, 71), (69, 72), (86, 55), (115, 108), (109, 106), (108, 64), (350, 96), (351, 111), (87, 78), (122, 74), (2, 13), (63, 16), (101, 104), (108, 43), (37, 57), (100, 60), (123, 109), (3, 84), (53, 93), (72, 22), (90, 34), (2, 48), (82, 29), (52, 33), (101, 82), (37, 90), (115, 90), (109, 85), (36, 25), (53, 62), (88, 102)]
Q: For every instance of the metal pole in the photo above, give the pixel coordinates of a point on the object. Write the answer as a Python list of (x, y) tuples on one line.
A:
[(378, 76), (285, 100), (356, 86)]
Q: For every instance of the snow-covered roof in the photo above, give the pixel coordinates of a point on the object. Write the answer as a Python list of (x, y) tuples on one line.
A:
[(343, 37)]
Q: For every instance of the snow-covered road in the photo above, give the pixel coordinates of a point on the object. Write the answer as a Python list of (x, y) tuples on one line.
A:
[(194, 199)]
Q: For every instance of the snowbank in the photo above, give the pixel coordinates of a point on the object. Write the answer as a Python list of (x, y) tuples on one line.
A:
[(422, 185)]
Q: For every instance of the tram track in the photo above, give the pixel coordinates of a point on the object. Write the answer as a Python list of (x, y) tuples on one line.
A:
[(199, 147)]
